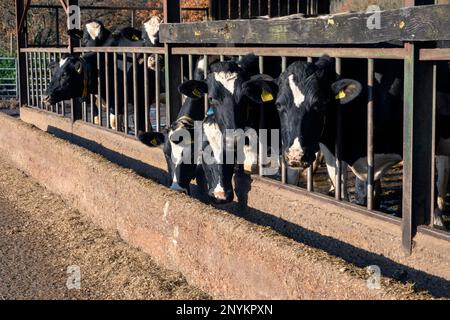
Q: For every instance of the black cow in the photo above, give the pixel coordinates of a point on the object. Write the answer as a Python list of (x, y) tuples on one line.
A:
[(229, 109), (178, 147)]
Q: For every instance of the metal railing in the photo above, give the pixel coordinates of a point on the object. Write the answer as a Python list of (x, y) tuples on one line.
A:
[(8, 77)]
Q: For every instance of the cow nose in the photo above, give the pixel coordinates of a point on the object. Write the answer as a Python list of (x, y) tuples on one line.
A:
[(46, 99), (221, 196), (295, 154)]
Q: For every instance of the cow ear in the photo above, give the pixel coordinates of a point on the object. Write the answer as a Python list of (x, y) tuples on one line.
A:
[(79, 67), (260, 91), (151, 139), (75, 34), (346, 90), (193, 89)]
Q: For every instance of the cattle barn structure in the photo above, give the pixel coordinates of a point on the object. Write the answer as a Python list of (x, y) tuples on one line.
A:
[(411, 34)]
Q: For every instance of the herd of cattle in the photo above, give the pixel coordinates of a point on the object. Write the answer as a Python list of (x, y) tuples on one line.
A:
[(302, 103)]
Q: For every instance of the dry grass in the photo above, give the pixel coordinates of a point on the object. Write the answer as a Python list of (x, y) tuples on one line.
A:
[(41, 236)]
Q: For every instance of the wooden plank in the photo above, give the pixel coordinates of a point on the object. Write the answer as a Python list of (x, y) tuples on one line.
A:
[(361, 53), (424, 23)]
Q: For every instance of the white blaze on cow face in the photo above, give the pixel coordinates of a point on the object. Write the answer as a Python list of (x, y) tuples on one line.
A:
[(227, 79), (152, 28), (62, 62), (295, 153), (296, 92), (201, 64), (93, 29), (214, 137)]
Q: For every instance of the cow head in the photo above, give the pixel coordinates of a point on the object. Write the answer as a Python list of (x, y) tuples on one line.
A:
[(305, 93), (226, 111), (94, 35), (72, 77), (150, 31)]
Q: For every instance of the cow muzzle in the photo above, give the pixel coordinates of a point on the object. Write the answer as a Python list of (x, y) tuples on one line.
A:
[(221, 197), (300, 160)]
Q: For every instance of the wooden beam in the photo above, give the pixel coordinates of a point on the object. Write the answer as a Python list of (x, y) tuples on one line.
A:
[(423, 23)]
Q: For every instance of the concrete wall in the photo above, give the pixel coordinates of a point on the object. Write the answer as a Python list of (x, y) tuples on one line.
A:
[(216, 249)]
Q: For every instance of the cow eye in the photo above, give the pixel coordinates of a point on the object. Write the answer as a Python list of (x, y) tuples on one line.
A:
[(280, 107)]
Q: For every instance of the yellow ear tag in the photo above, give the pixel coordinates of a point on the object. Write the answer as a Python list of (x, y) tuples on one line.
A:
[(341, 95), (154, 142), (197, 93), (266, 96), (134, 37)]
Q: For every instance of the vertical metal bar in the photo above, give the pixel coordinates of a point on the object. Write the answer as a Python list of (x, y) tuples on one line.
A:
[(158, 94), (133, 18), (45, 76), (205, 57), (30, 56), (283, 162), (191, 67), (261, 147), (433, 145), (125, 93), (41, 93), (222, 58), (36, 81), (92, 107), (135, 96), (370, 135), (63, 103), (107, 89), (407, 206), (22, 83), (99, 90), (418, 157), (116, 92), (27, 56), (338, 147), (146, 94), (310, 176)]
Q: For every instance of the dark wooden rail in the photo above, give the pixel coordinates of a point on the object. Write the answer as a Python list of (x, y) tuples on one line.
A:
[(424, 23)]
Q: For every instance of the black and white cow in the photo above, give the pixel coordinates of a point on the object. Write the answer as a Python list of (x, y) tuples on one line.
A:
[(309, 96), (76, 76), (95, 34), (181, 173), (229, 109)]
